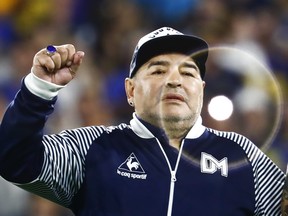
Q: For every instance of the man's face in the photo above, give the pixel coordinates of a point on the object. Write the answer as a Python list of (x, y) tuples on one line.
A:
[(167, 88)]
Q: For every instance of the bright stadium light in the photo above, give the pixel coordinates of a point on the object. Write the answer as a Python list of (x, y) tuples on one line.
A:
[(220, 108)]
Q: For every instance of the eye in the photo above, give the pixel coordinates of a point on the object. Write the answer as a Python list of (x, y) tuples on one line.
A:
[(158, 72), (189, 69), (188, 73)]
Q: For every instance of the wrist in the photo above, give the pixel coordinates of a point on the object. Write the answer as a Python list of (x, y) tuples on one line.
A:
[(41, 88)]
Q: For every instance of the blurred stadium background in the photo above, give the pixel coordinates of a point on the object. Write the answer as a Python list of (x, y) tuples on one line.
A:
[(108, 30)]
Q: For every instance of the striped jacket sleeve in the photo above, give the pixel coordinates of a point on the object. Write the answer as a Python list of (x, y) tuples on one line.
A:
[(64, 164), (51, 166), (268, 178)]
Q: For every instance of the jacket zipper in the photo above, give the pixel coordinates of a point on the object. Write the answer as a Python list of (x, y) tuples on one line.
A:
[(173, 175)]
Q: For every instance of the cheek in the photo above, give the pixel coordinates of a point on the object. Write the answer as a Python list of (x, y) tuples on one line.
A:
[(146, 93), (141, 92), (145, 89), (196, 94)]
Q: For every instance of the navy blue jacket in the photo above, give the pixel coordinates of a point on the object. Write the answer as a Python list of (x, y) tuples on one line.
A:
[(130, 170)]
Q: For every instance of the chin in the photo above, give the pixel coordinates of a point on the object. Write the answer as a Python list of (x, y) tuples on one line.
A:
[(174, 115), (174, 111)]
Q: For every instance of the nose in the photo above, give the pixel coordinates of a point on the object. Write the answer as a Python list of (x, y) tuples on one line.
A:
[(174, 79)]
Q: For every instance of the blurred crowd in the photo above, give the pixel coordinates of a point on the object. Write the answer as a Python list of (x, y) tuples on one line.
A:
[(108, 30)]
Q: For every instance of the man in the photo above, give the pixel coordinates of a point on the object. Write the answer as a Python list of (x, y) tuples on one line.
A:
[(164, 163)]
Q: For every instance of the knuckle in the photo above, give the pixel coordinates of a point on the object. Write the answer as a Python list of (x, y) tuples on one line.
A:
[(69, 46), (71, 49)]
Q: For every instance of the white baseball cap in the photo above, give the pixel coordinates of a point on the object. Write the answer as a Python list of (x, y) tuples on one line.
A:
[(167, 40)]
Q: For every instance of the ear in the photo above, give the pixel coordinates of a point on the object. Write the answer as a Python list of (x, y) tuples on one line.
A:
[(129, 88)]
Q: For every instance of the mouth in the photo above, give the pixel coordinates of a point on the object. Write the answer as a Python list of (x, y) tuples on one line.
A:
[(173, 97)]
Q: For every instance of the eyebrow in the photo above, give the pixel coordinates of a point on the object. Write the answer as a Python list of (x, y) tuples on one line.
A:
[(158, 63), (190, 65)]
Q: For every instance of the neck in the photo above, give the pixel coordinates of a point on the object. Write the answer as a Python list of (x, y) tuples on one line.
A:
[(175, 129), (176, 132), (175, 143)]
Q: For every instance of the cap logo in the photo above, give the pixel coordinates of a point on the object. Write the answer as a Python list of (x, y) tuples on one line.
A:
[(162, 32), (158, 33)]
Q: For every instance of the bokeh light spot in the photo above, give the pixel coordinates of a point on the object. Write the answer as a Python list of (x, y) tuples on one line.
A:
[(220, 108)]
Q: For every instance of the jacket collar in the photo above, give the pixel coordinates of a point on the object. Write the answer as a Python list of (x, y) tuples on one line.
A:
[(139, 128)]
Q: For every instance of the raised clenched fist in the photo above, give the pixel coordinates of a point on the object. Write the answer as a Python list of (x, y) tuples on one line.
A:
[(58, 67)]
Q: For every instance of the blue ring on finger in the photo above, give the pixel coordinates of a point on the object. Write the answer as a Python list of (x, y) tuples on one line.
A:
[(51, 50)]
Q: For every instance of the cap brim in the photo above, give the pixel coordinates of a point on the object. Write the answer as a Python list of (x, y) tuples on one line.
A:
[(185, 44)]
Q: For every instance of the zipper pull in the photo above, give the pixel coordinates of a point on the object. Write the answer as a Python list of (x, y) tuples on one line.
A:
[(173, 176)]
